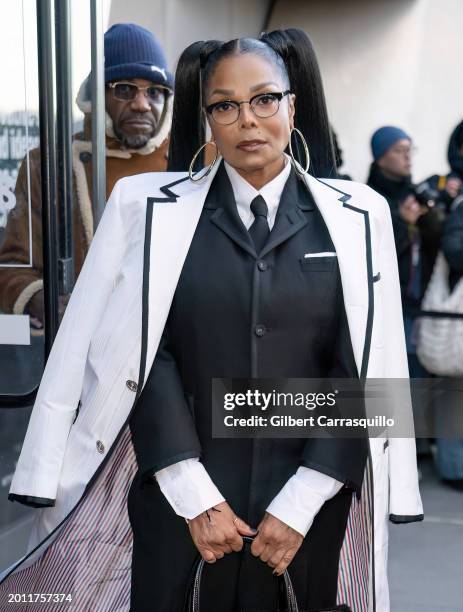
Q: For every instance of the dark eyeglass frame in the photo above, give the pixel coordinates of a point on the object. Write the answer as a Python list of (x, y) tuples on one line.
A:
[(279, 95), (166, 90)]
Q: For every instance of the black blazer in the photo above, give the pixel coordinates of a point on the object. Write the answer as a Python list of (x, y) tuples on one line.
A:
[(239, 314)]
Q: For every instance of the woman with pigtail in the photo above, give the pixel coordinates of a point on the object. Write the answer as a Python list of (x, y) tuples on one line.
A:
[(247, 268)]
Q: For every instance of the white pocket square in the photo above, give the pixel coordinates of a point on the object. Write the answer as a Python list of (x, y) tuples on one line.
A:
[(325, 254)]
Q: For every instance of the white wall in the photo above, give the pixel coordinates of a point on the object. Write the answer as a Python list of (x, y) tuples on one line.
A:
[(383, 61), (387, 62), (177, 23)]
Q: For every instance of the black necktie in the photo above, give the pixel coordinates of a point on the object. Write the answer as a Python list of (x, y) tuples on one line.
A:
[(259, 230)]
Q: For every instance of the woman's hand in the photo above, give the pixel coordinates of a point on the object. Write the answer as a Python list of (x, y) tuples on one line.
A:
[(276, 543), (218, 531)]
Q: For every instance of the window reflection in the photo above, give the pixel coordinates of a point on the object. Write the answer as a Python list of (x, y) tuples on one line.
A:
[(20, 228)]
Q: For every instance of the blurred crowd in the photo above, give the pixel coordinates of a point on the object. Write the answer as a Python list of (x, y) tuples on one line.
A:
[(427, 215), (427, 218)]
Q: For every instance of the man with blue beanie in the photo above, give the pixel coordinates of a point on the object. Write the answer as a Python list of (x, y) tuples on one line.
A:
[(138, 119), (391, 168), (417, 227)]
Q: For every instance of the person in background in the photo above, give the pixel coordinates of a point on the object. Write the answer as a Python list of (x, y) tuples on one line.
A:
[(447, 189), (449, 455), (417, 226), (138, 120), (390, 171)]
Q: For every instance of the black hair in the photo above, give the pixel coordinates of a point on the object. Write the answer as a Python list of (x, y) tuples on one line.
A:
[(311, 116), (292, 53)]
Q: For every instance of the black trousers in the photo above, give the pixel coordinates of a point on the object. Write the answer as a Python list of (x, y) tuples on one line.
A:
[(238, 582)]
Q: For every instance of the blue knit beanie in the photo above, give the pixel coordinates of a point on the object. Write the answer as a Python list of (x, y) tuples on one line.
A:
[(384, 138), (132, 52)]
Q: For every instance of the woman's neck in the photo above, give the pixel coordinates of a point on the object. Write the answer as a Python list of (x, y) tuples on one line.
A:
[(261, 176)]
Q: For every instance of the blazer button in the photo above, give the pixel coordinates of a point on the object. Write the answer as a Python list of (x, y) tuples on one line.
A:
[(132, 385), (100, 446), (262, 265), (260, 330)]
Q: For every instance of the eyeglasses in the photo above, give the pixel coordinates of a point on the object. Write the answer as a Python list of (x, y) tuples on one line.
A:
[(404, 150), (124, 91), (263, 105)]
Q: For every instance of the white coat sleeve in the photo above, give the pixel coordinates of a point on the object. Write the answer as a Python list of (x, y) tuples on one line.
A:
[(40, 462), (404, 495)]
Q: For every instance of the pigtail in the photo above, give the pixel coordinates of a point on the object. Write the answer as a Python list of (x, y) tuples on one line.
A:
[(188, 125), (311, 117)]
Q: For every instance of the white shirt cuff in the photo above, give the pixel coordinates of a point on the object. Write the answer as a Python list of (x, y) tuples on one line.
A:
[(188, 488), (301, 498)]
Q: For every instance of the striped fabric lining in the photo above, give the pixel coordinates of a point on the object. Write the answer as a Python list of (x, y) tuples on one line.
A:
[(91, 556), (354, 562)]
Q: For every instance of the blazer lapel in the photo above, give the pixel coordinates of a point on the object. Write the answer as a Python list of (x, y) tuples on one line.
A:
[(349, 228), (291, 215), (221, 199), (290, 218)]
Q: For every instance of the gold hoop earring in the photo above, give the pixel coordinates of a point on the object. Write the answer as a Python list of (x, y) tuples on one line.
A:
[(296, 164), (209, 168)]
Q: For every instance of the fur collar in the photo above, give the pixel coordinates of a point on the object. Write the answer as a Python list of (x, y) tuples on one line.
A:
[(84, 103)]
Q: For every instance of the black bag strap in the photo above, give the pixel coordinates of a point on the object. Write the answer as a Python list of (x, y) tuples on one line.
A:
[(194, 598)]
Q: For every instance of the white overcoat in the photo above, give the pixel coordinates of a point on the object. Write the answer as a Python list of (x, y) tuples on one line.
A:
[(109, 335)]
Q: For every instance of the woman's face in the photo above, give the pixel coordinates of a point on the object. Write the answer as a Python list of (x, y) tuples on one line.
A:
[(252, 145)]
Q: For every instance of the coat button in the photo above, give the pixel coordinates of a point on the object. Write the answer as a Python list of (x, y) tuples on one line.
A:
[(262, 265), (100, 446), (260, 330), (85, 157), (132, 385)]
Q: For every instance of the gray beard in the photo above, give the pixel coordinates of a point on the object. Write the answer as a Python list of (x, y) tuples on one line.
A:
[(133, 141)]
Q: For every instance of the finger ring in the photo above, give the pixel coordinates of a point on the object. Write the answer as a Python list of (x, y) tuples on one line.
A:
[(287, 559), (235, 519)]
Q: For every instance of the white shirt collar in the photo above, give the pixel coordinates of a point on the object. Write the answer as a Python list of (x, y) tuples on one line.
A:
[(244, 193)]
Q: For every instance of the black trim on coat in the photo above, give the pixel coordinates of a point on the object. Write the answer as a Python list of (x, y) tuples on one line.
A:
[(30, 500), (171, 196), (369, 328), (345, 196), (145, 296), (371, 298), (401, 519), (365, 357)]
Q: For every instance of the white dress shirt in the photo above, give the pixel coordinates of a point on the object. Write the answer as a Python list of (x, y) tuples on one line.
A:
[(245, 193), (186, 485)]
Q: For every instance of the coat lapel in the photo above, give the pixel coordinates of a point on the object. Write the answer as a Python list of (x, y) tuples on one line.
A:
[(291, 216), (221, 199), (349, 228), (171, 221)]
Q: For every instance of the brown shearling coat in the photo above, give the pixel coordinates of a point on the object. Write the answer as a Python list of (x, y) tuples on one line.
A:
[(19, 284)]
